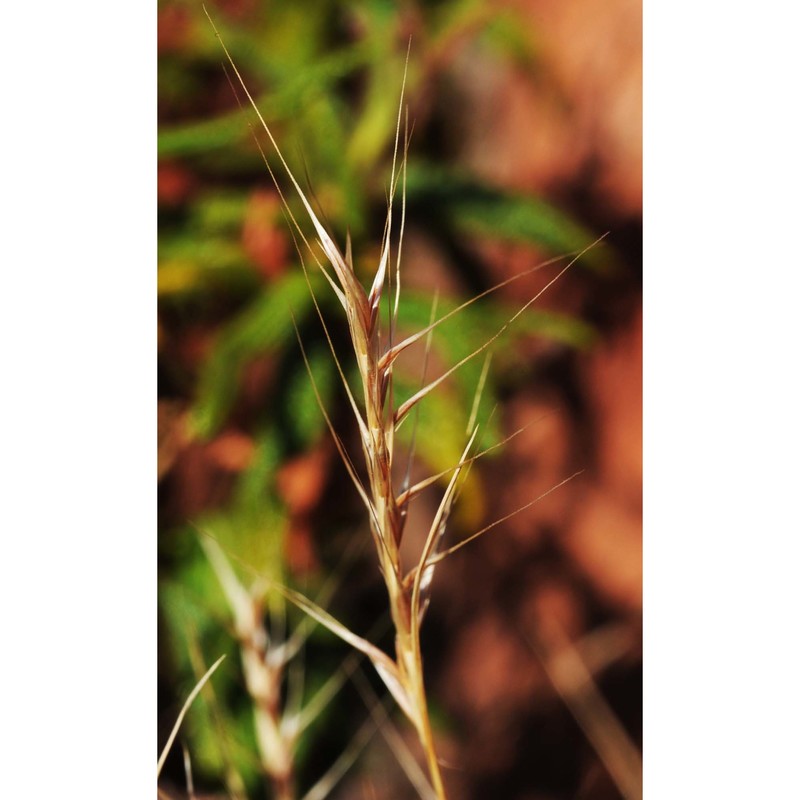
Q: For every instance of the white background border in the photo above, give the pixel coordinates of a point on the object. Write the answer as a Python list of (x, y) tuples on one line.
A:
[(79, 388)]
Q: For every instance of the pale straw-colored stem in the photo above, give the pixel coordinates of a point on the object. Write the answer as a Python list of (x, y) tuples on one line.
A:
[(378, 453)]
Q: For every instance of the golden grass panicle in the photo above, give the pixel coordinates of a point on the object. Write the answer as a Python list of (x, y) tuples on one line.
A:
[(408, 590)]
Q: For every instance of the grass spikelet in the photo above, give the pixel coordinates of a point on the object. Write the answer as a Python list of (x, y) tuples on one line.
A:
[(267, 660)]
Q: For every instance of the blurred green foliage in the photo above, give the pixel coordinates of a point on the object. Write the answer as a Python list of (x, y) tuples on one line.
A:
[(327, 78)]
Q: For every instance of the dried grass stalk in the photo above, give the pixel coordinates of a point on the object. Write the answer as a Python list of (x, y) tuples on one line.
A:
[(378, 417)]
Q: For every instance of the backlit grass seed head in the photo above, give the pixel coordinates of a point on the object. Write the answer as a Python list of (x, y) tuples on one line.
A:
[(378, 418)]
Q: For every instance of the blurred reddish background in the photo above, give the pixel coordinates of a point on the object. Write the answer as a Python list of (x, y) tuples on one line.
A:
[(520, 618)]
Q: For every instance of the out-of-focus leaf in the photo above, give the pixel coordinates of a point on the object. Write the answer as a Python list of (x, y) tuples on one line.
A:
[(331, 177), (552, 325), (186, 706), (256, 483), (306, 419), (178, 277), (473, 325), (219, 212), (213, 252), (466, 331), (206, 252), (224, 267), (440, 438), (448, 20), (193, 610), (261, 328), (472, 207), (294, 94), (376, 120), (512, 40), (253, 527), (201, 137)]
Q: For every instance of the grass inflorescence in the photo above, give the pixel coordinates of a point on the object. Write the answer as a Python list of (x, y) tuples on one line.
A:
[(382, 482)]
